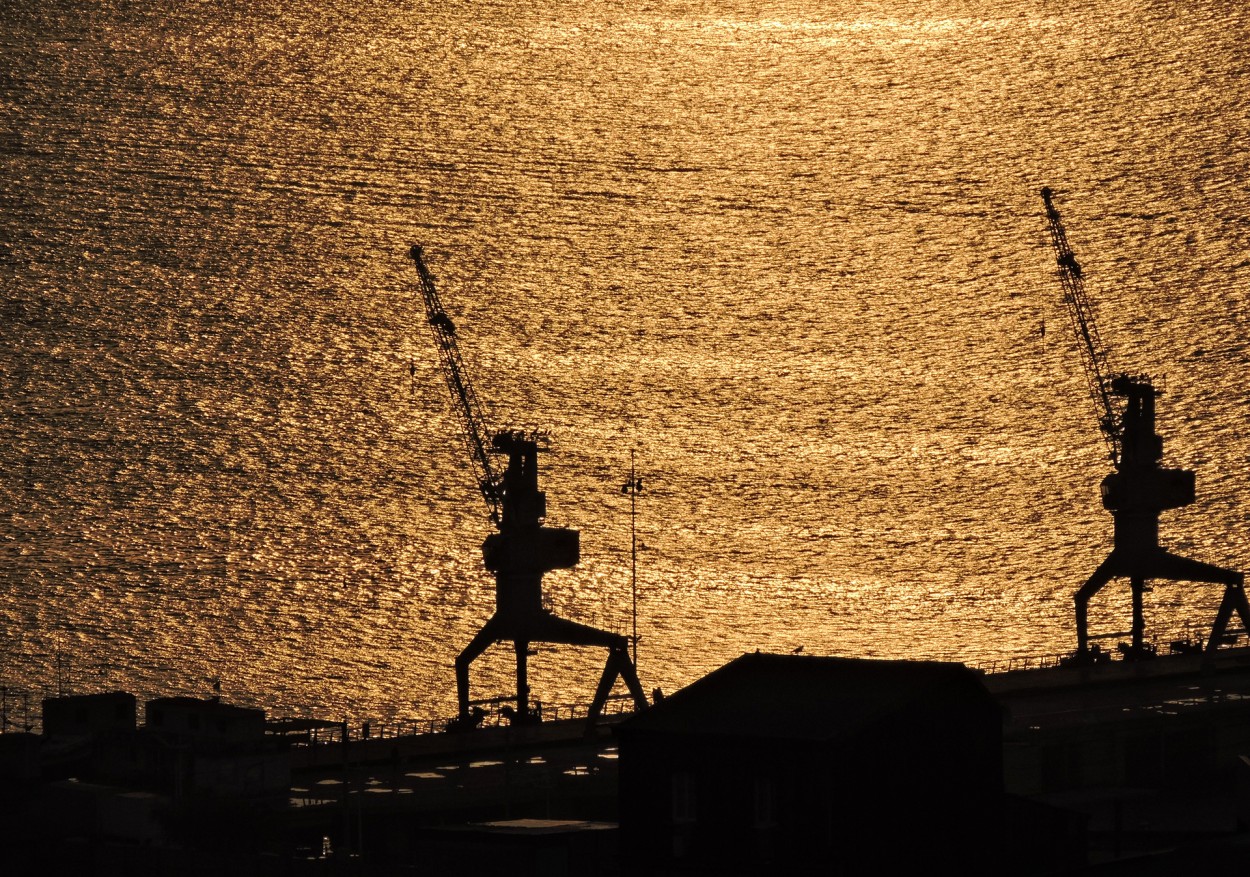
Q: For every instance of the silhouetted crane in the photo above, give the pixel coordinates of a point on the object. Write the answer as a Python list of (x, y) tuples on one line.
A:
[(1139, 489), (523, 549)]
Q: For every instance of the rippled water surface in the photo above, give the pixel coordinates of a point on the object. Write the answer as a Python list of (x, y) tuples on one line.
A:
[(792, 253)]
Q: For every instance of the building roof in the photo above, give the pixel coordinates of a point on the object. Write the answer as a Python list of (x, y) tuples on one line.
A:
[(211, 705), (801, 697), (98, 697)]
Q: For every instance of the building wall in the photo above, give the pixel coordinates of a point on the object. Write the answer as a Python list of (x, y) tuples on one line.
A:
[(205, 720), (921, 789), (86, 714), (1199, 748)]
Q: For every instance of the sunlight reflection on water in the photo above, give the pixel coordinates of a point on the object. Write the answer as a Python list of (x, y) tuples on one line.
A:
[(794, 257)]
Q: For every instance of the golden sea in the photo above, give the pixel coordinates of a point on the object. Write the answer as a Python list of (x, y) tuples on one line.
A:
[(791, 254)]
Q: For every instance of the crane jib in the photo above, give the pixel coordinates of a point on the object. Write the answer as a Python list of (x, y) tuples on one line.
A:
[(473, 423), (1080, 308)]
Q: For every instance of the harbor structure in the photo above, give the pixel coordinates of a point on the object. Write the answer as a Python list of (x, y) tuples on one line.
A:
[(1140, 489), (524, 548), (765, 762)]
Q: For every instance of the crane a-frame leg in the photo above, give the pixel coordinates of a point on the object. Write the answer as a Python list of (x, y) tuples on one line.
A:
[(1234, 601), (1106, 572), (1161, 564), (489, 633), (619, 663), (547, 628)]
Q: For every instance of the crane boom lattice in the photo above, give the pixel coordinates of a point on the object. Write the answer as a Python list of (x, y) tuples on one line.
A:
[(473, 422), (1080, 309)]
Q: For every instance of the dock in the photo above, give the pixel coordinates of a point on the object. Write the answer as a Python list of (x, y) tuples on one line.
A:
[(1148, 755)]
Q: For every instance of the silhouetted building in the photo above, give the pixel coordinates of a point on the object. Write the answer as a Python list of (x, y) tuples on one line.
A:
[(74, 727), (813, 765), (1172, 724), (192, 720), (187, 746), (81, 715), (206, 747)]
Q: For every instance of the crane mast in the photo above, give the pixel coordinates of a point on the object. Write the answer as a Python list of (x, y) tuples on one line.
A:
[(1139, 489)]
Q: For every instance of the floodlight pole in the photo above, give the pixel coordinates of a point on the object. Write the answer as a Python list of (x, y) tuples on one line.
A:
[(633, 487)]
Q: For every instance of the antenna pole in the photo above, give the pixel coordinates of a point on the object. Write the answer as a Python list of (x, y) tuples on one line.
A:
[(633, 487), (633, 555)]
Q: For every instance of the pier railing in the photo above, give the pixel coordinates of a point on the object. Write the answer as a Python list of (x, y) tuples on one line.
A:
[(1011, 665), (496, 712), (20, 706), (1189, 644)]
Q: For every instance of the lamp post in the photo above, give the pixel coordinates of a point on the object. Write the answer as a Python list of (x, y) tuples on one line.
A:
[(633, 487)]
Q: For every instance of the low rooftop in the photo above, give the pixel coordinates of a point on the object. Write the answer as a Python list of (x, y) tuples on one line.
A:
[(812, 698)]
